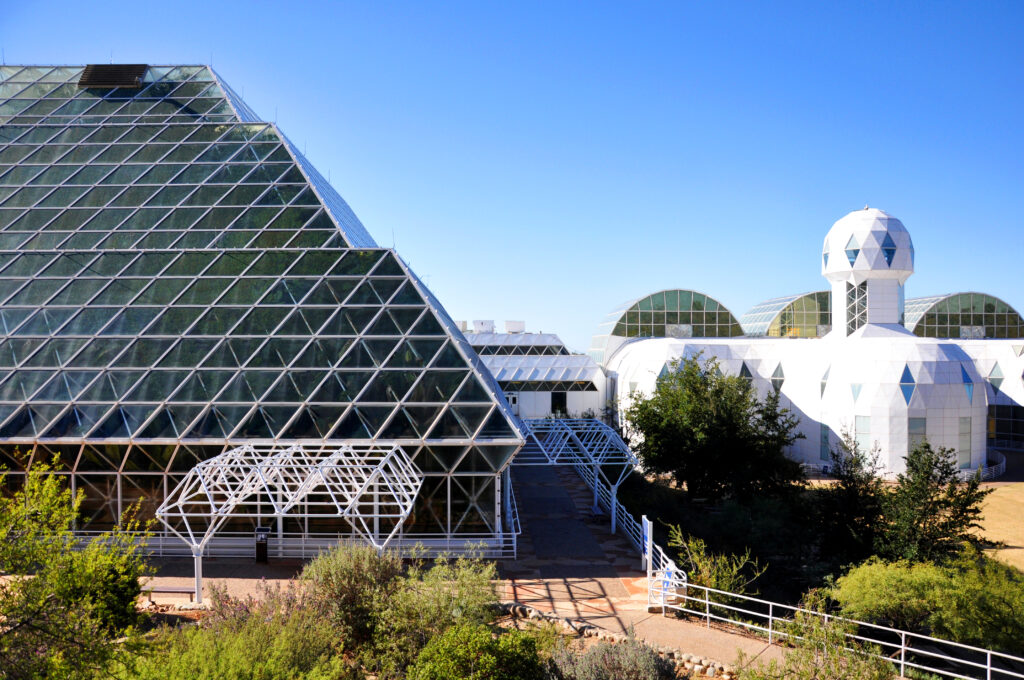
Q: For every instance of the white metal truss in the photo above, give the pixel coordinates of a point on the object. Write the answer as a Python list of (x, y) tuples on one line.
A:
[(581, 442), (371, 486), (573, 441)]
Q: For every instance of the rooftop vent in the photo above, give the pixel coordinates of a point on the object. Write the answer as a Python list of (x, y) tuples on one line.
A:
[(113, 75)]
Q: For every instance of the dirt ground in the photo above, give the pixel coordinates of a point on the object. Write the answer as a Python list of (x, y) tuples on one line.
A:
[(1004, 511)]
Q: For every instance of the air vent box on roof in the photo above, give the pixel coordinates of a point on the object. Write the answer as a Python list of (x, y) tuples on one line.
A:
[(113, 75)]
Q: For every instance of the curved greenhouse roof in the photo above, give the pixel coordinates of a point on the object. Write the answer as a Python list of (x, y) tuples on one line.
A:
[(673, 313), (807, 315), (962, 315)]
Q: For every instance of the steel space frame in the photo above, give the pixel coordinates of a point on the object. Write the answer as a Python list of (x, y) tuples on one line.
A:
[(371, 486)]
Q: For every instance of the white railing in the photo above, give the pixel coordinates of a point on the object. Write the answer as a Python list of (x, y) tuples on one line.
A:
[(668, 588), (307, 546), (776, 621), (988, 472)]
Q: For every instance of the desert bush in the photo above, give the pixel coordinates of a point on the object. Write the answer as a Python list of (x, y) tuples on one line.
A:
[(630, 659), (351, 585), (428, 601), (277, 636), (472, 652)]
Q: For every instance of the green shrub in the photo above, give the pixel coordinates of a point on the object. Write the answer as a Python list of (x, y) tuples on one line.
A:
[(350, 585), (898, 594), (732, 573), (67, 604), (471, 652), (428, 601), (821, 651), (276, 637), (974, 600), (630, 659)]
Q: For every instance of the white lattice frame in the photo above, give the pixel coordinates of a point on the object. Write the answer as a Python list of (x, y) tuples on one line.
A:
[(576, 441), (259, 482)]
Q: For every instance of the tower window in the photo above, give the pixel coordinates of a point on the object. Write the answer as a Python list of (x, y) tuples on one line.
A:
[(856, 306)]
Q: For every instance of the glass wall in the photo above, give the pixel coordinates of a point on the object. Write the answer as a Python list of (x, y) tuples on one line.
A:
[(176, 280), (963, 315), (797, 316)]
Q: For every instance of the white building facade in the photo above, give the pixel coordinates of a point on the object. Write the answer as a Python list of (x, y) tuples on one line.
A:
[(867, 374)]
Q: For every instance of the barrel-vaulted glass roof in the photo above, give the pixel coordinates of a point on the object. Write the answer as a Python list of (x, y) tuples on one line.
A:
[(807, 315), (674, 313), (176, 279), (962, 315)]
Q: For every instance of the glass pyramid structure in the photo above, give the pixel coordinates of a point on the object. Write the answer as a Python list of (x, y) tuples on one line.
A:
[(176, 279)]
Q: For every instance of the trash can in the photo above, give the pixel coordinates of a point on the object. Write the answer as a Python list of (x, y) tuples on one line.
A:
[(262, 536)]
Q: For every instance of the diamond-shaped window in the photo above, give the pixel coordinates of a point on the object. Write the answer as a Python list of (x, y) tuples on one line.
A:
[(996, 376), (855, 390), (824, 254), (824, 380), (968, 384), (852, 250), (778, 377), (745, 373), (888, 249), (907, 384)]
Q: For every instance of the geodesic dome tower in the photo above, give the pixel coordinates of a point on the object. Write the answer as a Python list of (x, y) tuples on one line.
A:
[(867, 256)]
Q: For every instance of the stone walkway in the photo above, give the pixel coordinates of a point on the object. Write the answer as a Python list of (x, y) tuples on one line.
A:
[(569, 564)]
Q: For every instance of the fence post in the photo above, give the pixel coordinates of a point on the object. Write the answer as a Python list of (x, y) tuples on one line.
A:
[(988, 666), (903, 654), (645, 556), (707, 607), (771, 617)]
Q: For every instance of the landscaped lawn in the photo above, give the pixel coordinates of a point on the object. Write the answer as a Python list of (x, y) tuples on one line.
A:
[(1004, 521)]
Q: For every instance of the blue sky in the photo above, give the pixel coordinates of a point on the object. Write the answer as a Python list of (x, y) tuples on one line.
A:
[(546, 161)]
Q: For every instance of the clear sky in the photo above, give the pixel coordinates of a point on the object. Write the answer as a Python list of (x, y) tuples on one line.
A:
[(546, 161)]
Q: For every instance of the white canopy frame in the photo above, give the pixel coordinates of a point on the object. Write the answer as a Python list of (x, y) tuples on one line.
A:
[(581, 442), (371, 486)]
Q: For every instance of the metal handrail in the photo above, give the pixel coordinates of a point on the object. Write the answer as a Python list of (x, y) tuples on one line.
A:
[(675, 594)]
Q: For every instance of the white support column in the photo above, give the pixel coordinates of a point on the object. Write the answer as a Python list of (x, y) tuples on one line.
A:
[(615, 505), (197, 558), (497, 504)]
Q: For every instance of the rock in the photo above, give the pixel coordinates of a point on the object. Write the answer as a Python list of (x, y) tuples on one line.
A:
[(192, 606), (697, 669), (712, 672)]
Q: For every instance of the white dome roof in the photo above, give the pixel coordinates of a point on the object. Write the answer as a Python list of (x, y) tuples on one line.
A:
[(867, 244)]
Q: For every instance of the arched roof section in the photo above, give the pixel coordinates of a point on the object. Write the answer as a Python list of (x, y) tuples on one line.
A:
[(673, 313), (962, 315), (807, 315)]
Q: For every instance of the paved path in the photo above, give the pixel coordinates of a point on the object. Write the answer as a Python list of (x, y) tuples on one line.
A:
[(569, 563)]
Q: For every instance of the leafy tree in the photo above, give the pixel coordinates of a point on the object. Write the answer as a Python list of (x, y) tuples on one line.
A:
[(930, 513), (713, 434), (471, 652), (850, 510), (64, 601)]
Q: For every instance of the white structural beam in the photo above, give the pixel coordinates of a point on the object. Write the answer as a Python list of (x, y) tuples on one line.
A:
[(580, 442), (372, 487)]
